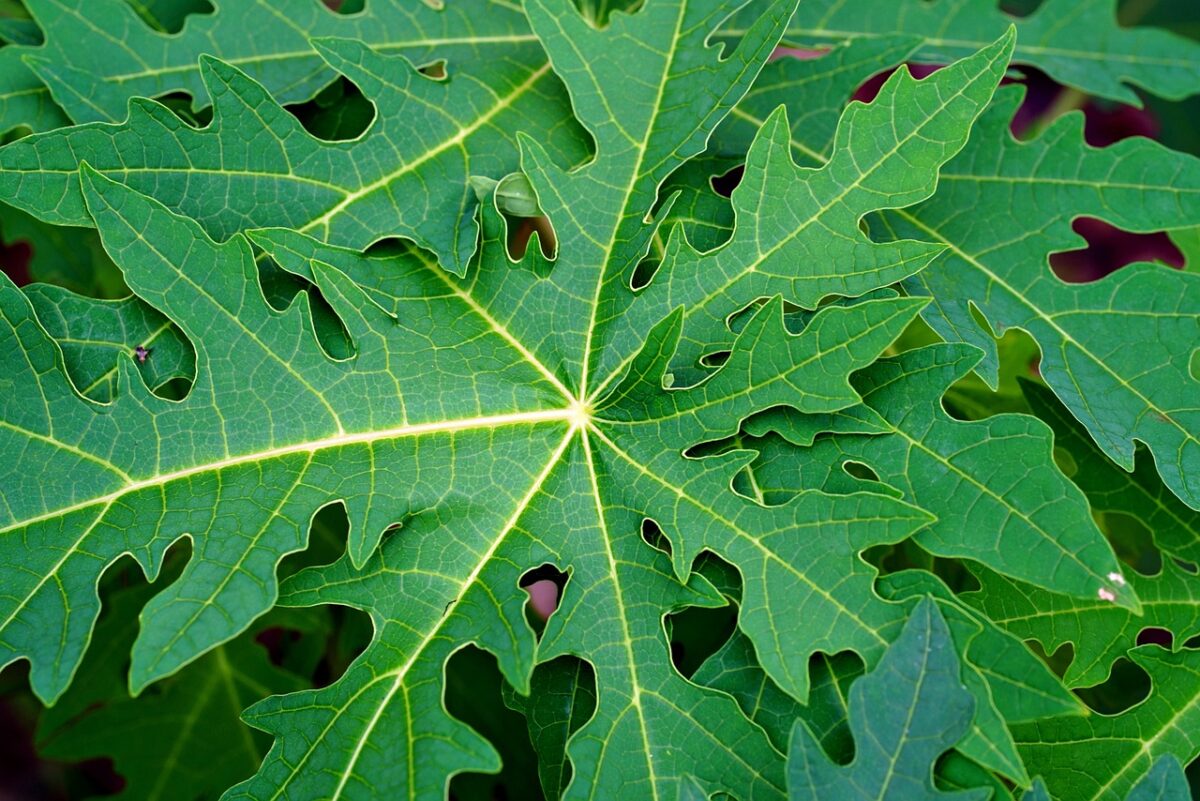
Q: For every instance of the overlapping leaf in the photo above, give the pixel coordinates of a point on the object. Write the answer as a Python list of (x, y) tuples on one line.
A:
[(255, 165), (993, 484), (797, 229), (1144, 376), (1110, 489), (428, 593), (1099, 631), (562, 697), (1008, 684), (800, 555), (1164, 782), (1101, 757), (186, 738), (734, 669), (1077, 42), (39, 84), (616, 521), (904, 714)]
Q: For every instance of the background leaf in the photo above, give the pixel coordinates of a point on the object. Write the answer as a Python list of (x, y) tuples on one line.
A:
[(918, 709)]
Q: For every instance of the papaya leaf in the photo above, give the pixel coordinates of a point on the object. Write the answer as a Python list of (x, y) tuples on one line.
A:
[(188, 734), (95, 84), (433, 301), (904, 714), (463, 421), (1140, 494), (1137, 185), (1100, 632), (786, 245), (998, 494), (406, 175), (1077, 42), (1164, 782), (1104, 757), (562, 697)]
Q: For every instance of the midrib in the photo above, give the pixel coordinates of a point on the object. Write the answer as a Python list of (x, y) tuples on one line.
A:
[(631, 184), (310, 446), (237, 61)]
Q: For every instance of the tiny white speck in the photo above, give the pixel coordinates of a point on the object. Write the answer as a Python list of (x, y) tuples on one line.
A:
[(1105, 595), (1117, 578)]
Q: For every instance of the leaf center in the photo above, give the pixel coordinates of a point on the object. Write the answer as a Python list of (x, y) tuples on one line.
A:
[(579, 413)]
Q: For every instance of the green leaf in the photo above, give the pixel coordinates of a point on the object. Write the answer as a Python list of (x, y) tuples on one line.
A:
[(142, 60), (689, 498), (95, 334), (427, 596), (904, 714), (971, 397), (955, 772), (618, 517), (707, 217), (1101, 757), (24, 101), (1003, 676), (1099, 631), (1188, 242), (407, 175), (352, 346), (562, 697), (821, 87), (993, 484), (18, 30), (816, 92), (1001, 270), (446, 420), (734, 669), (1007, 682), (267, 408), (1021, 686), (1164, 782), (1136, 185), (474, 692), (806, 244), (184, 739), (1077, 42), (660, 127), (1109, 489)]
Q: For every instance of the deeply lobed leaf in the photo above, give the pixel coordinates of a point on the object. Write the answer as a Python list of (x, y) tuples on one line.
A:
[(674, 417)]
